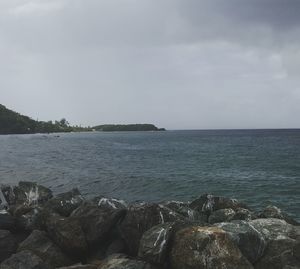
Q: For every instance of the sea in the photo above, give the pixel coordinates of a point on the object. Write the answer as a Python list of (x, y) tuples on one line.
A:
[(259, 167)]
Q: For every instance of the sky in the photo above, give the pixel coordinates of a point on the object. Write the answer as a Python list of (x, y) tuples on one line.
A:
[(179, 64)]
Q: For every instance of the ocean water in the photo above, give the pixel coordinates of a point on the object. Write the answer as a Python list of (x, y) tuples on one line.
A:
[(259, 167)]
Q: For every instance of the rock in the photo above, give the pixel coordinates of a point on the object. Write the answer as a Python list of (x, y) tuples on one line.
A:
[(7, 222), (184, 210), (8, 245), (244, 214), (296, 250), (274, 228), (140, 218), (110, 203), (80, 266), (275, 212), (97, 223), (31, 194), (221, 215), (39, 243), (68, 235), (248, 239), (198, 247), (279, 254), (65, 203), (116, 246), (208, 203), (123, 262), (24, 260), (155, 243)]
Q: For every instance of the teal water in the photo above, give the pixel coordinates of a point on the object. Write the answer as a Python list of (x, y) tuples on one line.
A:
[(260, 167)]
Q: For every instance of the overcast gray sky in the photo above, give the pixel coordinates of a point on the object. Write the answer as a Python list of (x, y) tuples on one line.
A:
[(180, 64)]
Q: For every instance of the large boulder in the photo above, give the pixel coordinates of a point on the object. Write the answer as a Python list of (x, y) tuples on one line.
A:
[(68, 234), (140, 218), (279, 254), (65, 203), (208, 203), (109, 203), (248, 239), (155, 243), (40, 244), (277, 213), (24, 260), (198, 247), (183, 209), (274, 228), (97, 223), (31, 194), (8, 245), (122, 262), (221, 215)]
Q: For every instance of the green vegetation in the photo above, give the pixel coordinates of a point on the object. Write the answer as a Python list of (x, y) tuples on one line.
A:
[(12, 122), (127, 127)]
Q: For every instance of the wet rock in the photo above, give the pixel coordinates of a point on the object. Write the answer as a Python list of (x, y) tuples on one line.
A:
[(279, 254), (65, 203), (110, 203), (97, 223), (7, 196), (123, 262), (296, 250), (140, 218), (221, 215), (247, 238), (277, 213), (8, 245), (31, 194), (7, 222), (40, 244), (184, 210), (24, 260), (80, 266), (244, 214), (155, 243), (274, 228), (68, 235), (198, 247), (208, 203)]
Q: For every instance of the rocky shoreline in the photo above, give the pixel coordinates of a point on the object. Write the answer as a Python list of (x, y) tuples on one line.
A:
[(38, 230)]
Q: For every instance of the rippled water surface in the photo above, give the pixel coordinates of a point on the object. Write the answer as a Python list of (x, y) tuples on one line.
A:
[(257, 166)]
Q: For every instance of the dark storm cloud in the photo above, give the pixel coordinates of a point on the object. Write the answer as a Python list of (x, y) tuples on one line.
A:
[(176, 63)]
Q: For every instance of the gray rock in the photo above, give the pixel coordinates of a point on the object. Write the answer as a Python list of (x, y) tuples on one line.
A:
[(8, 245), (31, 194), (123, 262), (247, 238), (208, 203), (140, 218), (39, 243), (97, 223), (116, 246), (274, 228), (67, 233), (275, 212), (110, 203), (198, 247), (279, 254), (244, 214), (155, 243), (65, 203), (221, 215), (24, 260)]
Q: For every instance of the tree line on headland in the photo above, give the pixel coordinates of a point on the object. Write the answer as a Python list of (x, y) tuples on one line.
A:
[(12, 122)]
